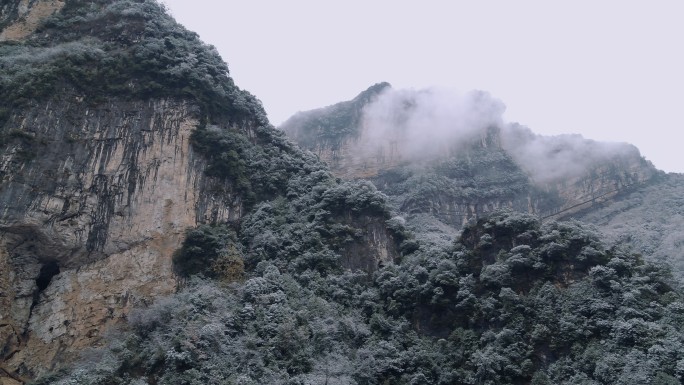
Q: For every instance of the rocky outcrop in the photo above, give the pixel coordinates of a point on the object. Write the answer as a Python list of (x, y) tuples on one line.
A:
[(339, 136), (94, 200), (599, 185), (21, 19), (457, 165), (373, 247)]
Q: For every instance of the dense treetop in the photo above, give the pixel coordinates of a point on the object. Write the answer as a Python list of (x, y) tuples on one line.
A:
[(123, 48), (512, 301)]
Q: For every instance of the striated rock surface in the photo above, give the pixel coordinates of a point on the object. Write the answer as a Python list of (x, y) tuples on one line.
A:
[(94, 200), (339, 135)]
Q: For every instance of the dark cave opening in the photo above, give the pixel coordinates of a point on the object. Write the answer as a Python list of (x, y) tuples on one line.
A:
[(47, 271)]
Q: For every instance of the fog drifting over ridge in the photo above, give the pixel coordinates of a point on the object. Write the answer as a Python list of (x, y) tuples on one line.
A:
[(552, 158), (430, 121)]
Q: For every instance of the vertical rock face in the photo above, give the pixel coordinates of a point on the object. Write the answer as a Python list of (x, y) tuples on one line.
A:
[(93, 202), (337, 134), (98, 178), (374, 248)]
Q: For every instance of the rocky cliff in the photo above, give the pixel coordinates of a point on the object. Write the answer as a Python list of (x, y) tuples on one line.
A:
[(98, 190), (453, 158), (103, 171), (142, 189), (339, 135), (94, 200)]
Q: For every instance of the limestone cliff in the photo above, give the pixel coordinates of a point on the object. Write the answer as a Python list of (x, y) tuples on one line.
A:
[(94, 200), (339, 136), (98, 187), (120, 131)]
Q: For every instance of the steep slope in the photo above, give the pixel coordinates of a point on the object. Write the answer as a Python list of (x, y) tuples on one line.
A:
[(133, 167), (88, 225), (512, 301), (98, 185), (334, 132), (649, 219), (119, 131)]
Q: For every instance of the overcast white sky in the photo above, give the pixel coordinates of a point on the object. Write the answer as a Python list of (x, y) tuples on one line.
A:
[(610, 70)]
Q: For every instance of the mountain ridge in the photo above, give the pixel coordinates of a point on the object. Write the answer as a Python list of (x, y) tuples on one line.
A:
[(156, 229), (556, 175)]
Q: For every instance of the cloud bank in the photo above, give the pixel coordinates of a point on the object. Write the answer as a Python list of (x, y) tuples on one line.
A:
[(428, 122), (555, 158)]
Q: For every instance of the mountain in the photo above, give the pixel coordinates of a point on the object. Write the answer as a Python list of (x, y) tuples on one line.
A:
[(451, 157), (119, 132), (499, 165), (156, 229)]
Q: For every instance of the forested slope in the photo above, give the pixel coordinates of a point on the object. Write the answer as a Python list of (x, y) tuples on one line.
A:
[(122, 135), (510, 302), (287, 275)]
